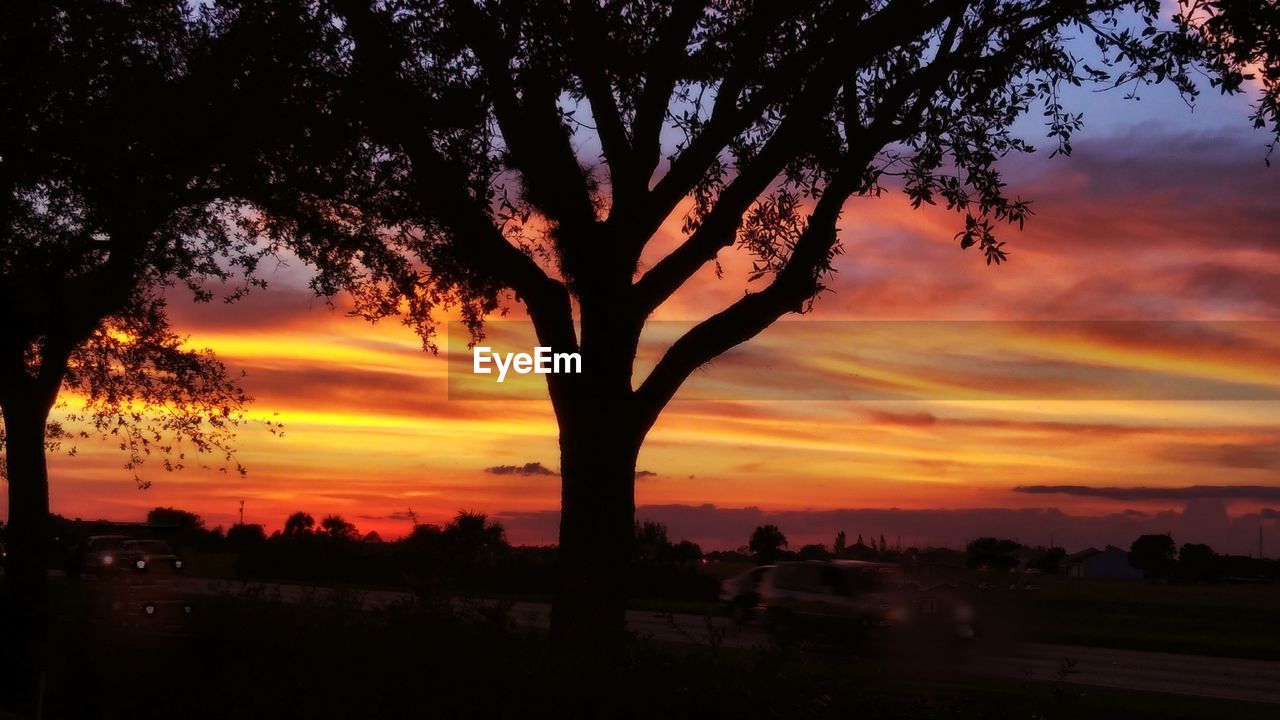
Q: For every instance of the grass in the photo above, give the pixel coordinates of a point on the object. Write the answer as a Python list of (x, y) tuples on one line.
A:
[(251, 657), (1220, 620)]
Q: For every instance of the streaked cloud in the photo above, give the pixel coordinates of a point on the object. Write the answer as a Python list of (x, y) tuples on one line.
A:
[(1194, 492), (1141, 226)]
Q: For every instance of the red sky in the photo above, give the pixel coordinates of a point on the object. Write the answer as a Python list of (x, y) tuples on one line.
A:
[(1148, 220)]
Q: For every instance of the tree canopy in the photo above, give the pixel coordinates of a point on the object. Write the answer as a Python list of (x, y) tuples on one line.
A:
[(104, 206), (765, 543), (530, 152), (539, 146)]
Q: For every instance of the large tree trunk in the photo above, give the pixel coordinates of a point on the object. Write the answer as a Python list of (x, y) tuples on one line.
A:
[(27, 532), (24, 612), (597, 519), (599, 444)]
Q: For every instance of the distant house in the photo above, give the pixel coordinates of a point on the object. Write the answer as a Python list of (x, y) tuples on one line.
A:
[(1113, 562)]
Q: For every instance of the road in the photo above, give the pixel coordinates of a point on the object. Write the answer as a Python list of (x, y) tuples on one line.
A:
[(1211, 677)]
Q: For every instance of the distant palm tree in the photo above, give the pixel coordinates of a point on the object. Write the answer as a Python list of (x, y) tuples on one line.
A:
[(299, 524), (472, 534), (766, 542), (338, 528)]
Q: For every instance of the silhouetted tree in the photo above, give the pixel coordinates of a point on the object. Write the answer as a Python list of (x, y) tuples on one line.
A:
[(337, 528), (840, 545), (242, 536), (751, 123), (1197, 562), (1153, 555), (766, 541), (173, 517), (651, 540), (101, 209), (1048, 560), (994, 553), (813, 552), (473, 536), (424, 535), (139, 150), (686, 551), (185, 528), (299, 525)]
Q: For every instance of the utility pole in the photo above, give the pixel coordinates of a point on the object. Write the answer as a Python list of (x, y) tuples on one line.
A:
[(242, 511)]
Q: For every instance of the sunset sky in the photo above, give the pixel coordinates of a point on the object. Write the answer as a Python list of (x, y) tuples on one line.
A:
[(1161, 214)]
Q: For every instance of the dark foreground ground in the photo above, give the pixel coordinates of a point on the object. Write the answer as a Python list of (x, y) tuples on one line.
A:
[(256, 655)]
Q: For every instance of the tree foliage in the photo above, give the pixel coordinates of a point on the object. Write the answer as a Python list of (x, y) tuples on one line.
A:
[(1153, 554), (993, 553), (473, 535), (336, 527), (175, 518), (299, 525), (127, 156), (752, 122), (766, 542)]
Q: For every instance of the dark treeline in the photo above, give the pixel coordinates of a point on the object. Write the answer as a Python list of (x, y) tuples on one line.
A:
[(1160, 558), (468, 554), (1157, 556)]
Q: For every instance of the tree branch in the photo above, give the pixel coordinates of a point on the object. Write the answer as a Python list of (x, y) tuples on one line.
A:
[(800, 278), (664, 60), (442, 186), (590, 58), (728, 117), (719, 228), (531, 126), (751, 314)]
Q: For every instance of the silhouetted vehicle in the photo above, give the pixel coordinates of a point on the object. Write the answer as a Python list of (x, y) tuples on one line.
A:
[(143, 595), (741, 594), (848, 603), (154, 556), (97, 555)]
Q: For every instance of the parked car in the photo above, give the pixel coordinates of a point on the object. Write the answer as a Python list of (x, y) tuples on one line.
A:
[(741, 594), (847, 602), (149, 556), (97, 555)]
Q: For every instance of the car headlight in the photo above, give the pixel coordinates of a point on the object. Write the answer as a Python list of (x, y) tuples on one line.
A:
[(107, 559), (141, 564), (177, 564)]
